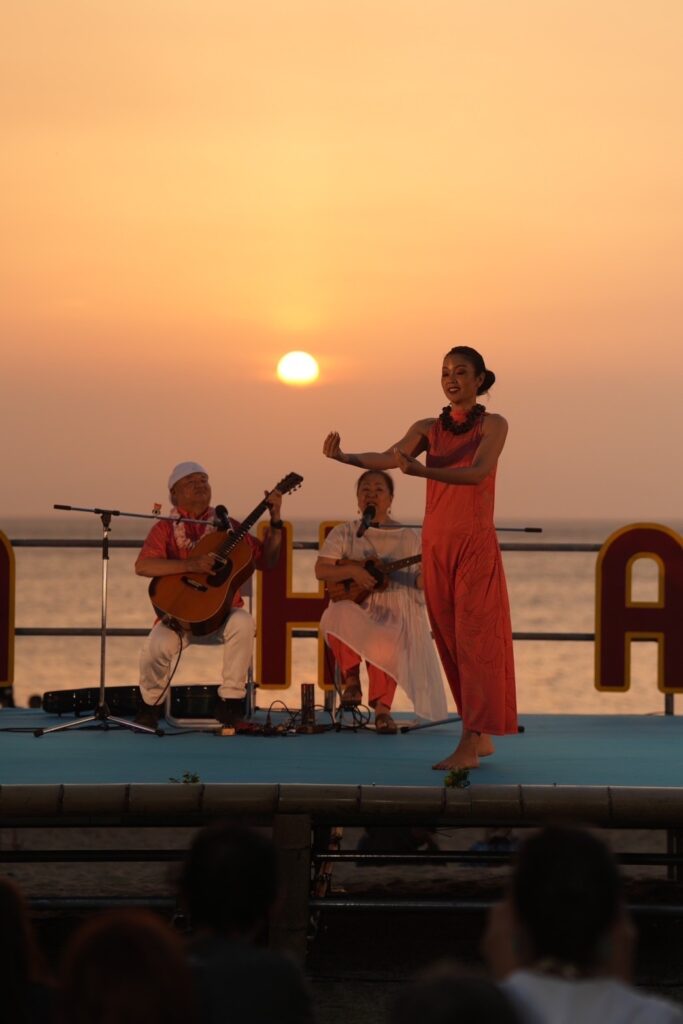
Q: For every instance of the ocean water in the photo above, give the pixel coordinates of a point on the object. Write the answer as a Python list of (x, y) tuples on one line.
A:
[(549, 592)]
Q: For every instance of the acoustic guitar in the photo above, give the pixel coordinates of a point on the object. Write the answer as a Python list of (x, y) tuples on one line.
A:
[(349, 590), (201, 602)]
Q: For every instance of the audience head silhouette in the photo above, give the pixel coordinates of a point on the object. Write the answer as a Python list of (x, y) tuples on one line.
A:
[(566, 894), (229, 882), (126, 965), (24, 997)]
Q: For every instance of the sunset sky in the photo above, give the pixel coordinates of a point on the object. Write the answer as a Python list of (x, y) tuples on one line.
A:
[(192, 188)]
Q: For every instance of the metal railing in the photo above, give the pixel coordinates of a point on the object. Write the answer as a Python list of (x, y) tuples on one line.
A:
[(299, 633), (300, 545)]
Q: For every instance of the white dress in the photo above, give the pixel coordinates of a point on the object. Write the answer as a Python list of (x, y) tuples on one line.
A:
[(545, 999), (390, 628)]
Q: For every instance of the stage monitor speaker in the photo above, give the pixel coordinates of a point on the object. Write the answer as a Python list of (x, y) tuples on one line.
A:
[(121, 700), (186, 701), (193, 701)]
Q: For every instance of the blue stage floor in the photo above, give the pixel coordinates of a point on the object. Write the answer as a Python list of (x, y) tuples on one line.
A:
[(581, 750)]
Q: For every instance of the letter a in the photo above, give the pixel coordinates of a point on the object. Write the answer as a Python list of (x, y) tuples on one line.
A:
[(619, 619)]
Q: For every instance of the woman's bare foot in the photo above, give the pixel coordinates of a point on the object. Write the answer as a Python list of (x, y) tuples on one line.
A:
[(485, 746), (465, 754), (456, 760)]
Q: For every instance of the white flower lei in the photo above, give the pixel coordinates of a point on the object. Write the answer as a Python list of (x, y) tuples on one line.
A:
[(183, 542)]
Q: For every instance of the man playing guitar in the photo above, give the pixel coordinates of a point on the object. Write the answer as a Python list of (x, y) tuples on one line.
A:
[(169, 551)]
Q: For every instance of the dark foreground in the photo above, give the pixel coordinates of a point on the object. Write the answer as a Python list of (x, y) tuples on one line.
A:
[(357, 958)]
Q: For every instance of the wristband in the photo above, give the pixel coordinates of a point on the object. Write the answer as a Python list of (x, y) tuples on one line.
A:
[(276, 524)]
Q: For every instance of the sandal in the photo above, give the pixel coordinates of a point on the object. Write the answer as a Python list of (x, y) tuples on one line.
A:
[(385, 725), (351, 694)]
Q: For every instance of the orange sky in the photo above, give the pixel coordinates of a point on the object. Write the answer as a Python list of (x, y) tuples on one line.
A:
[(189, 190)]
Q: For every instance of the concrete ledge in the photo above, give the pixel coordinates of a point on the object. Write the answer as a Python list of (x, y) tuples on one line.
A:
[(587, 804), (390, 802), (31, 801), (499, 803), (322, 800), (647, 807), (221, 799), (163, 799), (193, 804), (93, 801)]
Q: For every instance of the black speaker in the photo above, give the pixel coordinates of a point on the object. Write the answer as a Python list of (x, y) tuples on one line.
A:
[(193, 701), (122, 701)]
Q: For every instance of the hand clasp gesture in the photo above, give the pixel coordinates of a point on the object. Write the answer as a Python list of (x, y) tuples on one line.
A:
[(407, 465)]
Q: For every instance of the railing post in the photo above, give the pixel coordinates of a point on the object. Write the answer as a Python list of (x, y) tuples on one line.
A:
[(674, 847), (292, 838)]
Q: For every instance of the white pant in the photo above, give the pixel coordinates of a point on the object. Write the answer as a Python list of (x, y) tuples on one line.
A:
[(162, 646)]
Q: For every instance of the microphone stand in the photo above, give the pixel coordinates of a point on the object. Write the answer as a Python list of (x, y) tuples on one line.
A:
[(101, 713)]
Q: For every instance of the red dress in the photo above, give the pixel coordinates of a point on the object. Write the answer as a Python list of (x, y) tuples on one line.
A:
[(465, 588)]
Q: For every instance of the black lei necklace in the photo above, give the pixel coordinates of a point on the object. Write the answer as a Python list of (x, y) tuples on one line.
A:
[(448, 423)]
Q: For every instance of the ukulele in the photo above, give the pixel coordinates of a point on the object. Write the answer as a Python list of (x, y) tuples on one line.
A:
[(201, 602), (349, 590)]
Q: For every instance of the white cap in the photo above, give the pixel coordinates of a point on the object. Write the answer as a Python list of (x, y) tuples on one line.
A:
[(181, 470)]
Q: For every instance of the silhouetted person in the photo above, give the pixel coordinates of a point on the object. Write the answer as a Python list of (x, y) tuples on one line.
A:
[(229, 886), (562, 942), (443, 994), (126, 967), (25, 995)]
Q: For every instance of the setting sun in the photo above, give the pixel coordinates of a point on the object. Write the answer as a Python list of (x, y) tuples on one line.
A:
[(297, 368)]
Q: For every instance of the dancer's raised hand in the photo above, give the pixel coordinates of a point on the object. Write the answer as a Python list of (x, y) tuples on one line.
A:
[(332, 447)]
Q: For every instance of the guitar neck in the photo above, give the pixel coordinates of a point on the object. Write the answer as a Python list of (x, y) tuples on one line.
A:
[(291, 482), (390, 567), (237, 535)]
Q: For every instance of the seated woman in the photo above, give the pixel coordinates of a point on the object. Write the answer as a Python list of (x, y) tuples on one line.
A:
[(388, 629)]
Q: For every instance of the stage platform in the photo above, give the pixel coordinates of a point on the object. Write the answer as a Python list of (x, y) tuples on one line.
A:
[(553, 750)]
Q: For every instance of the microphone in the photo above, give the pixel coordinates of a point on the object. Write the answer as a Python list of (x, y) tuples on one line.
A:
[(368, 516), (222, 520)]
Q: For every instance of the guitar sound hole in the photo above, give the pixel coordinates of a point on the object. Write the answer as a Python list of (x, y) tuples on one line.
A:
[(218, 578)]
